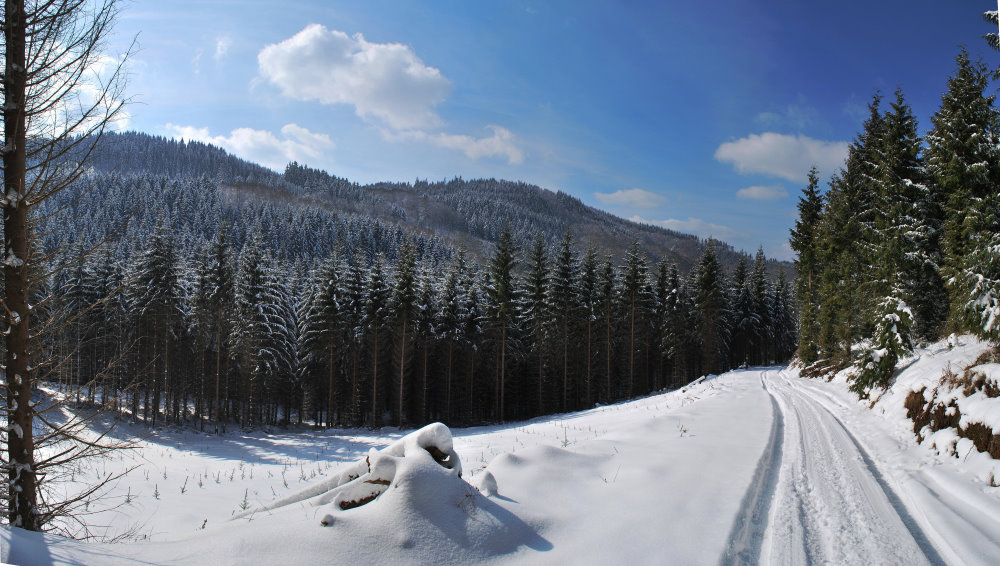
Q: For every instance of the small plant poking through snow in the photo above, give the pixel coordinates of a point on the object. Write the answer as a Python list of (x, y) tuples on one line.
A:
[(245, 504)]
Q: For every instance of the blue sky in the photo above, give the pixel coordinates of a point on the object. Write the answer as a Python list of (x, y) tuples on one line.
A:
[(699, 116)]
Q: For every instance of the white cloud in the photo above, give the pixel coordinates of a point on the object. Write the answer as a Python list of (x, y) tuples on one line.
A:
[(633, 198), (222, 45), (784, 156), (385, 81), (196, 61), (261, 146), (500, 144), (692, 225), (761, 192)]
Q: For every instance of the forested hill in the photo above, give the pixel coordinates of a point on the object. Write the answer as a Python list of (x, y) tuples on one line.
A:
[(308, 211)]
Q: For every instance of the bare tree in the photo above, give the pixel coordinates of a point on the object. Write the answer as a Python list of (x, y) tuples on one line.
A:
[(60, 92)]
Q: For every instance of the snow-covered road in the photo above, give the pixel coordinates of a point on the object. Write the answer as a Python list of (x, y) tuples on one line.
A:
[(831, 504), (834, 487)]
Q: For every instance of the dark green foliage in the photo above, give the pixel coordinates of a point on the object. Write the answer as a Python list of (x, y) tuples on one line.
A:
[(804, 242), (712, 310)]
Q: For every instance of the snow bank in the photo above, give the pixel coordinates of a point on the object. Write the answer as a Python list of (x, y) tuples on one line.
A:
[(946, 395)]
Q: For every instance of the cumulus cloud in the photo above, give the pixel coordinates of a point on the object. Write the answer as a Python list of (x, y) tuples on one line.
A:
[(784, 156), (261, 146), (692, 225), (761, 192), (385, 81), (632, 198)]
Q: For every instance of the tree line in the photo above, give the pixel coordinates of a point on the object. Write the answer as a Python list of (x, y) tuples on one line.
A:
[(230, 336), (903, 247)]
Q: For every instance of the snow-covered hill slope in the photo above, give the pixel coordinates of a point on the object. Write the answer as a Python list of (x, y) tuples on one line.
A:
[(756, 466)]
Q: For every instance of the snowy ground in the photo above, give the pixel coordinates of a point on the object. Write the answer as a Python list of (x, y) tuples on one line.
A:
[(755, 466)]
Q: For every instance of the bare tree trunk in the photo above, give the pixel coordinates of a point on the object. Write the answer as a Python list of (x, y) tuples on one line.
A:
[(22, 486), (565, 366), (503, 367), (402, 374), (447, 412), (375, 379), (607, 392), (329, 392), (589, 324), (218, 367)]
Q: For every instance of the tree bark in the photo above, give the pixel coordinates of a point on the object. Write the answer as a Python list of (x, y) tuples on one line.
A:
[(22, 486)]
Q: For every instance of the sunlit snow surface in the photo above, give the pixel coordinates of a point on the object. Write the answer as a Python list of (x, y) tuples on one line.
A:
[(752, 466)]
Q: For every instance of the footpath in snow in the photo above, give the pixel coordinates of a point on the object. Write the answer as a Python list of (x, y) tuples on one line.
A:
[(755, 466)]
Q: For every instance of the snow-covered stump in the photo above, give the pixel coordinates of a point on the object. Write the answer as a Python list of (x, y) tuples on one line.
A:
[(429, 448), (432, 443)]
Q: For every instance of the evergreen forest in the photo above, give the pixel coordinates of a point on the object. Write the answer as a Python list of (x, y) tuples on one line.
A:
[(903, 248), (190, 287)]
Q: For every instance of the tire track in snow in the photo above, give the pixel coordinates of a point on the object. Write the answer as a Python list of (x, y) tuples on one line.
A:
[(923, 543), (747, 534)]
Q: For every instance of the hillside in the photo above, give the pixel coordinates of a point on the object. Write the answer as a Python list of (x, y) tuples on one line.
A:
[(460, 213)]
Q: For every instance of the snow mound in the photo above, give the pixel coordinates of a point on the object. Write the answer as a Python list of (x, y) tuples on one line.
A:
[(411, 496), (366, 479)]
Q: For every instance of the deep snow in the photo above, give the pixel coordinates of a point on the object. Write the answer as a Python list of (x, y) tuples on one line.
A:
[(755, 465)]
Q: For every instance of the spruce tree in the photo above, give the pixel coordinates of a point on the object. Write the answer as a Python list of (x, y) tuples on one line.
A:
[(563, 299), (589, 303), (712, 311), (745, 320), (891, 240), (534, 314), (454, 310), (963, 162), (502, 308), (634, 302), (761, 337), (804, 243), (404, 311), (375, 322)]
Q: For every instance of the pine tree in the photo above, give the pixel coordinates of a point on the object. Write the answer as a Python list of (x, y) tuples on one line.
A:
[(634, 301), (265, 340), (760, 335), (533, 312), (745, 320), (804, 243), (563, 298), (607, 305), (353, 310), (403, 311), (156, 298), (502, 307), (963, 155), (898, 176), (426, 326), (589, 303), (375, 321), (847, 297), (454, 310), (322, 330), (712, 311)]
